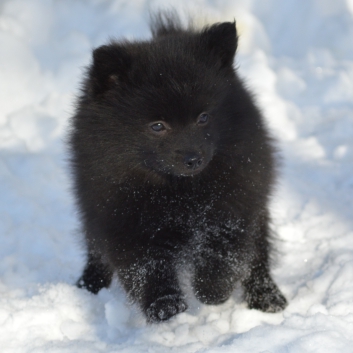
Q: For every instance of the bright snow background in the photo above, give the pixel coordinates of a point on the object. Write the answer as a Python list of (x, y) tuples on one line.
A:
[(297, 55)]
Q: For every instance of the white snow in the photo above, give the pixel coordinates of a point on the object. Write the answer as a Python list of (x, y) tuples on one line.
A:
[(297, 55)]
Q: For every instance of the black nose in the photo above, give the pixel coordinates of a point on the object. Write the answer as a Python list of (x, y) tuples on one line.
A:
[(193, 161)]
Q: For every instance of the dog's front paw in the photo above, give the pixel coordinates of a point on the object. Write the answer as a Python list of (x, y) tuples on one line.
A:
[(267, 299), (165, 307)]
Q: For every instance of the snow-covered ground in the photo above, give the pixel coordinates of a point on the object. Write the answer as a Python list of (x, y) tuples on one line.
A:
[(297, 55)]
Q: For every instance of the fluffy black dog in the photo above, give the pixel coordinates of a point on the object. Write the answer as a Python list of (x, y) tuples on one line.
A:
[(173, 168)]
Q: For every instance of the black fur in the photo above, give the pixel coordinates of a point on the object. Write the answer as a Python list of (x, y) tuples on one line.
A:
[(194, 194)]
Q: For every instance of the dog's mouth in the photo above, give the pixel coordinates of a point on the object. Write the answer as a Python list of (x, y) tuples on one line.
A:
[(189, 165), (191, 173)]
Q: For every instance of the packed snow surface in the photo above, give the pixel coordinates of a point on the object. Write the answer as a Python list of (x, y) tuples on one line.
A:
[(297, 56)]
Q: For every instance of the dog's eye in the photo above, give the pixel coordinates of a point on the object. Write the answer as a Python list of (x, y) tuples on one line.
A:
[(158, 127), (202, 119)]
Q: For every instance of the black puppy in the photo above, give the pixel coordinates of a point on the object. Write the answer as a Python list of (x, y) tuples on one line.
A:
[(173, 168)]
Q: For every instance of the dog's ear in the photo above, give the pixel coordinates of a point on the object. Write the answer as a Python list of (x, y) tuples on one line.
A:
[(221, 41), (110, 67)]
